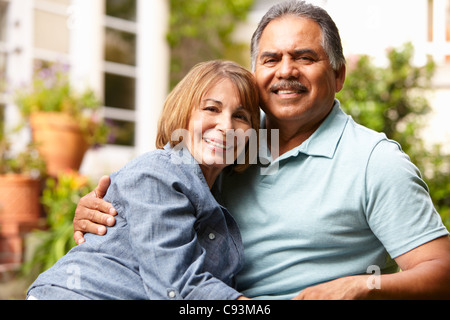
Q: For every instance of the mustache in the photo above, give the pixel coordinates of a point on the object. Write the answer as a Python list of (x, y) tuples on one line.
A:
[(288, 85)]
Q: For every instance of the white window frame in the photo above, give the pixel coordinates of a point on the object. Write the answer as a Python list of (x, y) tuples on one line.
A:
[(56, 9), (21, 54), (5, 48), (439, 47), (120, 69), (152, 78), (20, 62), (86, 21)]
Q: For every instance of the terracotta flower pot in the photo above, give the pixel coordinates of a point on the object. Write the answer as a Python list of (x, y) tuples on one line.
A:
[(19, 198), (19, 208), (59, 140)]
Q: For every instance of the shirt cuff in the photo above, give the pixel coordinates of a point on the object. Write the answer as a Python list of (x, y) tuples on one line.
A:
[(213, 289)]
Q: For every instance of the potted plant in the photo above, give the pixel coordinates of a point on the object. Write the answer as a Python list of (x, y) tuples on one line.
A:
[(64, 123), (60, 197), (20, 190)]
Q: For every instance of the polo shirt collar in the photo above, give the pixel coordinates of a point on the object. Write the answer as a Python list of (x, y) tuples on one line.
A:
[(324, 141)]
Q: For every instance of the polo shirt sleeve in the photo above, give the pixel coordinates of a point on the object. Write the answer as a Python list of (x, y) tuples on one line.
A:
[(161, 216), (399, 209)]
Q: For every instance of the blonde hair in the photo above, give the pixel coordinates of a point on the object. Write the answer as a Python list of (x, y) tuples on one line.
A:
[(187, 95)]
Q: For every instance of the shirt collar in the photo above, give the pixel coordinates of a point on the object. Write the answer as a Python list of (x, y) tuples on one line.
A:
[(184, 157), (324, 141)]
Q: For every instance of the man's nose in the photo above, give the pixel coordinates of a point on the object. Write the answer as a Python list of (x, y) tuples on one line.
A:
[(287, 69)]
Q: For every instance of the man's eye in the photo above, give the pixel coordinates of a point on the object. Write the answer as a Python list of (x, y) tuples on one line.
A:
[(269, 61), (306, 59)]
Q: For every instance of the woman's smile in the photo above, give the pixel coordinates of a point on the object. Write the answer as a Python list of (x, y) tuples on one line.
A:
[(216, 144)]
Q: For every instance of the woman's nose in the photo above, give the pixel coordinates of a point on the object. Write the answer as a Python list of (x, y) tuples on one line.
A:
[(225, 123)]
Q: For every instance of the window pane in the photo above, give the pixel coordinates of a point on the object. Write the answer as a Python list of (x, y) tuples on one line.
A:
[(2, 121), (430, 19), (3, 57), (51, 32), (447, 28), (121, 132), (447, 21), (120, 47), (124, 9), (3, 15), (66, 2), (119, 91)]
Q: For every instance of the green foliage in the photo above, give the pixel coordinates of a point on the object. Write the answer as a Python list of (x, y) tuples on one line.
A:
[(52, 91), (201, 30), (392, 100), (28, 162), (60, 198)]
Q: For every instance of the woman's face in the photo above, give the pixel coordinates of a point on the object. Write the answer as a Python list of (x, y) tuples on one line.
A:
[(217, 127)]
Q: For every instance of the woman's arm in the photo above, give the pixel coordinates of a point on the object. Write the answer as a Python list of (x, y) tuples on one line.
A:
[(160, 203), (171, 258), (93, 214)]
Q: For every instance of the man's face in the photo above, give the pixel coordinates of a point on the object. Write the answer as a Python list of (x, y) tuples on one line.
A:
[(293, 73)]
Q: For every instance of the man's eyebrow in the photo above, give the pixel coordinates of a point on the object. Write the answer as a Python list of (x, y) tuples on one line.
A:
[(305, 51), (296, 53), (268, 54)]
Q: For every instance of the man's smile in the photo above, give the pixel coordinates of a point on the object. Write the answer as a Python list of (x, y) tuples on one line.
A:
[(288, 87)]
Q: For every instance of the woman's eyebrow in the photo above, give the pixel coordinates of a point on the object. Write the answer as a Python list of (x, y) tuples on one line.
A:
[(213, 100), (241, 108)]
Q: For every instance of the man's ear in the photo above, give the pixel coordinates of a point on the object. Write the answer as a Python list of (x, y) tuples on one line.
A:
[(340, 78)]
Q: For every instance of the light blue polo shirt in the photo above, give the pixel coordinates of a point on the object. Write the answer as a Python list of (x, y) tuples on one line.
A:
[(344, 200)]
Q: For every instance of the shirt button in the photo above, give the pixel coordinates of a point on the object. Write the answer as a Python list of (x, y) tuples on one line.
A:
[(172, 294), (212, 236)]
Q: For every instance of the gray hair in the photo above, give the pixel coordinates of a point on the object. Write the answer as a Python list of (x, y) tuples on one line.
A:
[(331, 41)]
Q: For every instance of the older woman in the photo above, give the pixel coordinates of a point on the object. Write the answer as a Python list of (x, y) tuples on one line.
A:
[(172, 238)]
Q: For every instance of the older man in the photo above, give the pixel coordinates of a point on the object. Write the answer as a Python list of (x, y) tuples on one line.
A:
[(343, 201)]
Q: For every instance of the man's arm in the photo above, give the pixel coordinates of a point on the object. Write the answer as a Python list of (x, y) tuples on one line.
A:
[(425, 275), (93, 213)]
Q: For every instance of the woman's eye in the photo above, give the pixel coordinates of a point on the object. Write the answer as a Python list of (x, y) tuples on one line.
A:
[(210, 108), (242, 117)]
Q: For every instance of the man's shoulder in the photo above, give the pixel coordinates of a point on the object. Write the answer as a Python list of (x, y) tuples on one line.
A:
[(364, 135)]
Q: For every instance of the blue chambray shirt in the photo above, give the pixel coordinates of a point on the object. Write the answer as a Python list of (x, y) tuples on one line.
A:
[(172, 239)]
